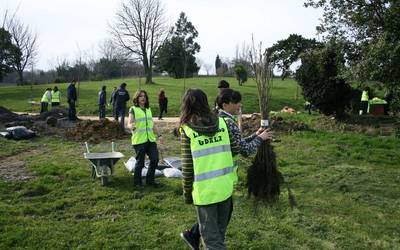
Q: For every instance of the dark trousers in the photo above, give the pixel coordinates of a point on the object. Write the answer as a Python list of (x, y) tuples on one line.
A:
[(114, 112), (44, 107), (71, 111), (102, 111), (213, 220), (149, 148), (195, 230), (364, 107), (163, 109), (55, 104), (121, 114)]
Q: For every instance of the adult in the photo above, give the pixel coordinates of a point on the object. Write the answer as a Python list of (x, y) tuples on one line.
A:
[(162, 103), (228, 102), (55, 97), (102, 103), (71, 98), (364, 101), (46, 99), (112, 102), (144, 138), (121, 98)]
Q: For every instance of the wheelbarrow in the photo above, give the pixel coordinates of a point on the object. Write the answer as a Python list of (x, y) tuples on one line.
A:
[(103, 163)]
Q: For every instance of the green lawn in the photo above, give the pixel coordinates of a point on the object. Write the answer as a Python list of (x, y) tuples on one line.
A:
[(346, 186), (284, 92)]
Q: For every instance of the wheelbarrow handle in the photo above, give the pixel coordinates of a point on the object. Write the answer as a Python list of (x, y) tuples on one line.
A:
[(87, 147)]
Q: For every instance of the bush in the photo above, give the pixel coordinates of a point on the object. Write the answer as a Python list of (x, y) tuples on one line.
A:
[(320, 80)]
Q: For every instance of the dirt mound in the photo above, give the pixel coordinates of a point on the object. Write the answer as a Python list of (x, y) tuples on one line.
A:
[(95, 131), (55, 112), (277, 124), (7, 116)]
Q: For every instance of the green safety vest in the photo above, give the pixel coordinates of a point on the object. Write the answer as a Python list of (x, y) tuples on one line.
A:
[(213, 165), (364, 96), (235, 159), (44, 97), (143, 126), (55, 96)]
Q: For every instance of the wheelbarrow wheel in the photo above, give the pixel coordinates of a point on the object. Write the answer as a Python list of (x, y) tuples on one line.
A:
[(104, 180)]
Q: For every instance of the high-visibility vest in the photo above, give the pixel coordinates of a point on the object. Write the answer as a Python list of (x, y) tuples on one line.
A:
[(55, 96), (143, 126), (235, 157), (212, 164), (44, 97), (364, 96)]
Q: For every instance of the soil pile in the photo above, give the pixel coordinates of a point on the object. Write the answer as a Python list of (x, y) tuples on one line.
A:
[(95, 131), (7, 116), (277, 124)]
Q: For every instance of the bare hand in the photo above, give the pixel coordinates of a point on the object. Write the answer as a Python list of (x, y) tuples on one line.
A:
[(266, 135), (259, 131)]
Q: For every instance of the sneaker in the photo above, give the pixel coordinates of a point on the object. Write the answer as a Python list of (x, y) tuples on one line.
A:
[(154, 184), (192, 243)]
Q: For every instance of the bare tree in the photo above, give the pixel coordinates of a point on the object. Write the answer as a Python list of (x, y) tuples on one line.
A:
[(140, 30), (24, 39), (108, 50)]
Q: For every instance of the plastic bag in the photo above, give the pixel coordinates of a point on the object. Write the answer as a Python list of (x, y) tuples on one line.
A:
[(131, 164), (173, 161), (172, 173), (20, 132)]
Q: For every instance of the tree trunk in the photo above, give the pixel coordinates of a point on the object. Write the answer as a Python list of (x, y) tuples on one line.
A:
[(20, 77), (147, 70)]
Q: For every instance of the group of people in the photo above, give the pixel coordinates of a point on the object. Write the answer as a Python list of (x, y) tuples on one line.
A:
[(211, 142), (50, 96)]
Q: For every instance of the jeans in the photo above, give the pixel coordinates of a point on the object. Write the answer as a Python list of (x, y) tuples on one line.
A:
[(71, 111), (121, 113), (163, 109), (195, 230), (213, 220), (102, 111), (149, 148)]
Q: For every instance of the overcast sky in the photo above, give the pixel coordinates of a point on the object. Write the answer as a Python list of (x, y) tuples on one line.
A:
[(67, 28)]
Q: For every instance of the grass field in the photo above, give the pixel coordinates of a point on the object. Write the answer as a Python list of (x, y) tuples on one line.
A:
[(284, 92), (346, 186)]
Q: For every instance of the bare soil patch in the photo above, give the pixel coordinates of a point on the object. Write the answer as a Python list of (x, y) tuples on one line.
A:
[(13, 168)]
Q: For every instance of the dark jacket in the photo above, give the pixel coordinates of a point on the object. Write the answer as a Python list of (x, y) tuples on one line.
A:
[(71, 93), (112, 99), (102, 97), (120, 98)]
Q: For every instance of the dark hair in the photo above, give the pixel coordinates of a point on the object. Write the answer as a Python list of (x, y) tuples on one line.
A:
[(103, 88), (48, 89), (228, 96), (123, 85), (55, 89), (194, 106), (223, 84), (136, 98)]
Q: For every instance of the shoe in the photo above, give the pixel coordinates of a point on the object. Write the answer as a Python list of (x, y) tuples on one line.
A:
[(192, 243)]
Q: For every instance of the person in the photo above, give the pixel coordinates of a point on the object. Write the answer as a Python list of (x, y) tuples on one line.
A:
[(162, 102), (144, 136), (71, 99), (112, 102), (121, 98), (46, 99), (225, 85), (364, 101), (228, 102), (102, 103), (55, 97)]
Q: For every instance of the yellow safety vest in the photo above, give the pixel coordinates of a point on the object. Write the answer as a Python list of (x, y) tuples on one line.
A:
[(364, 96), (44, 97), (213, 165), (143, 126), (235, 158), (55, 96)]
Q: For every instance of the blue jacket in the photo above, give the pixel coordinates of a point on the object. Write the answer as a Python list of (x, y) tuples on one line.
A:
[(71, 93), (120, 98), (102, 97)]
